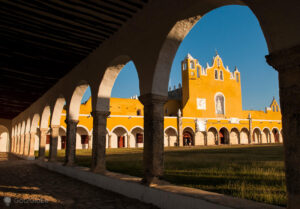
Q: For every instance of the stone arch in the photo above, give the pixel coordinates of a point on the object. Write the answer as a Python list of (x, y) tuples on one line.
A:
[(234, 136), (119, 136), (224, 136), (212, 136), (188, 136), (4, 139), (101, 96), (170, 137), (57, 110), (35, 122), (28, 125), (244, 136), (45, 117), (82, 137), (266, 135), (256, 136), (137, 133), (275, 136), (73, 109)]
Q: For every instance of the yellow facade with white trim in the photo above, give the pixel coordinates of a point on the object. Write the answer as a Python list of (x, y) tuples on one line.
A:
[(206, 110)]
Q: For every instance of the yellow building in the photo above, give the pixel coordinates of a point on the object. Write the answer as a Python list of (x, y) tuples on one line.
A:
[(206, 110)]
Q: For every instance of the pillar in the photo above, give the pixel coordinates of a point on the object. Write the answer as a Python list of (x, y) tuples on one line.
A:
[(31, 144), (99, 140), (26, 144), (109, 140), (90, 141), (71, 142), (42, 144), (169, 140), (128, 140), (12, 149), (179, 129), (153, 156), (21, 149), (17, 144), (53, 143), (287, 63), (250, 129)]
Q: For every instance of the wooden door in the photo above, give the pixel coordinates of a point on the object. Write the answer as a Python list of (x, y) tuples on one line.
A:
[(120, 141)]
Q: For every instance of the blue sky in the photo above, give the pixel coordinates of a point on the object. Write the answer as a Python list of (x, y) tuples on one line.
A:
[(235, 33)]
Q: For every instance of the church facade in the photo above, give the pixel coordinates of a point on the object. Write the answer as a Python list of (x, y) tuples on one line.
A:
[(205, 110)]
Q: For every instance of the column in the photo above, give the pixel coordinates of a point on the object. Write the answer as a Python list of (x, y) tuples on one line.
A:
[(99, 140), (179, 129), (21, 144), (26, 144), (90, 141), (128, 140), (287, 63), (53, 143), (17, 144), (250, 129), (71, 142), (42, 144), (169, 140), (12, 149), (31, 144), (153, 156), (109, 140)]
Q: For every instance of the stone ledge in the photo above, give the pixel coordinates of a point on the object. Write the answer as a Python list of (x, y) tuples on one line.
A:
[(165, 195)]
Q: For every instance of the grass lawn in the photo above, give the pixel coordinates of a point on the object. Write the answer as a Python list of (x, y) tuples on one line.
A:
[(253, 172)]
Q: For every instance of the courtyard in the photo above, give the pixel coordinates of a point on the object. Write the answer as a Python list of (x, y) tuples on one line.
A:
[(254, 172)]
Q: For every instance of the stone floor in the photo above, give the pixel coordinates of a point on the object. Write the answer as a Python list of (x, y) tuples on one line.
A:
[(26, 185)]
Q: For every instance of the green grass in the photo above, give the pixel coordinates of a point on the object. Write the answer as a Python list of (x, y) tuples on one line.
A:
[(254, 172)]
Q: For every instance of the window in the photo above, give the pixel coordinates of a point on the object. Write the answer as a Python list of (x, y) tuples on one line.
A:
[(139, 138), (84, 139), (237, 78), (192, 63), (192, 73), (277, 108), (198, 72), (216, 74), (273, 108), (220, 104), (138, 112), (221, 75), (203, 71), (218, 61)]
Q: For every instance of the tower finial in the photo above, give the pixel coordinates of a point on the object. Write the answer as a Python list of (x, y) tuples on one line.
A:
[(216, 52)]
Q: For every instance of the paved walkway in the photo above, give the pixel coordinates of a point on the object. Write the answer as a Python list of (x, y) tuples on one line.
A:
[(26, 185)]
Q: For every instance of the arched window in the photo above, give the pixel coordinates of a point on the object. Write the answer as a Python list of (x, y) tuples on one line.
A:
[(184, 66), (198, 72), (220, 104), (221, 75), (273, 108), (277, 108), (192, 63), (138, 112), (216, 74)]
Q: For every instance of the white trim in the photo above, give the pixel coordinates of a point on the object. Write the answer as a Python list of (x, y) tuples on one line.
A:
[(216, 94), (81, 126), (171, 127), (119, 126), (135, 127), (188, 127), (63, 128)]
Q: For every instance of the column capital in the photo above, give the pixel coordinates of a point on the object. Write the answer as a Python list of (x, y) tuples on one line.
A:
[(71, 121), (153, 99), (101, 113), (44, 129), (285, 59), (55, 126)]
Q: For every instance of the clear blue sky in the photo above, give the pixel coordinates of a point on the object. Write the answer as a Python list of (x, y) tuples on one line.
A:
[(235, 33)]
